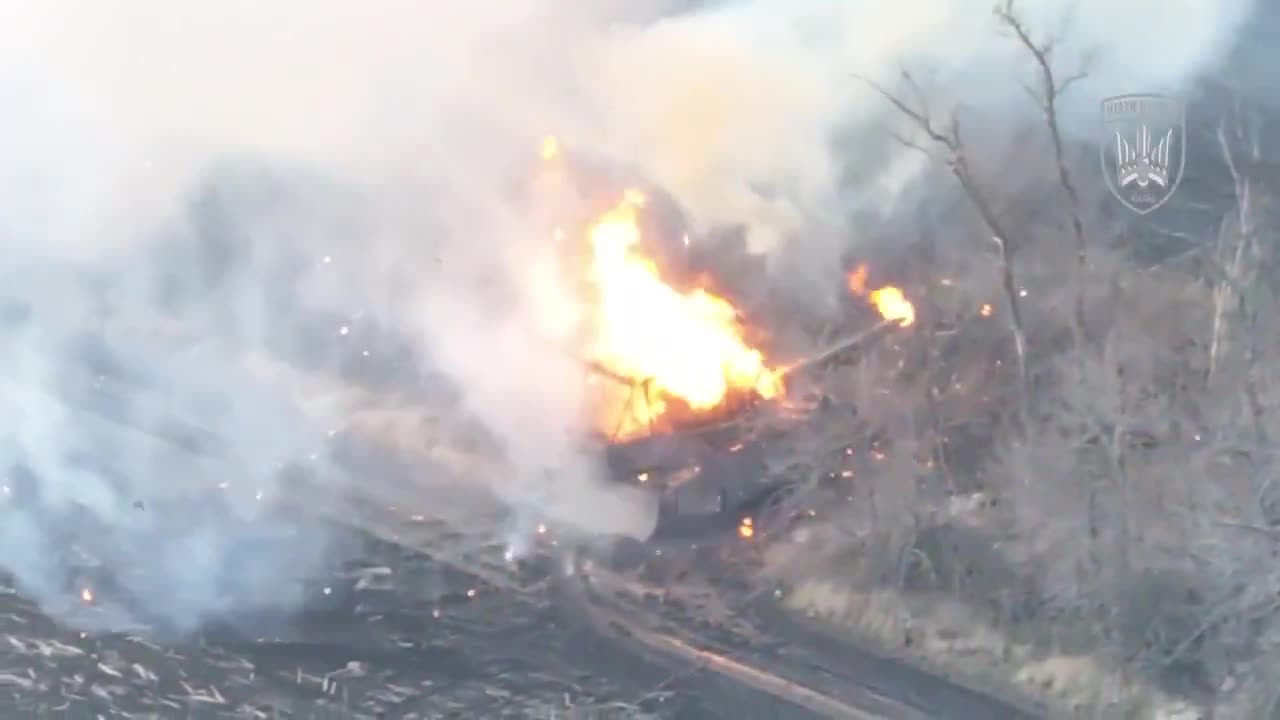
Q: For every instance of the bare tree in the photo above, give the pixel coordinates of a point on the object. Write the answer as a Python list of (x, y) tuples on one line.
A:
[(1141, 495), (1236, 248), (949, 140), (1051, 88)]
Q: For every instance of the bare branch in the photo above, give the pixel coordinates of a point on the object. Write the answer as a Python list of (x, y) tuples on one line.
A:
[(952, 141), (917, 116), (909, 144), (1051, 89)]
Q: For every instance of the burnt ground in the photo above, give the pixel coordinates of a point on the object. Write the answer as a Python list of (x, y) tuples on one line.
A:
[(400, 635)]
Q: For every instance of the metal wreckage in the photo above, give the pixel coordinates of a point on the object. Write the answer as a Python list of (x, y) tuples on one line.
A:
[(687, 428)]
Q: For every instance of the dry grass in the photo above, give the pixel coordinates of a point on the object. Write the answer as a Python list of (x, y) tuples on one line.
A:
[(946, 636)]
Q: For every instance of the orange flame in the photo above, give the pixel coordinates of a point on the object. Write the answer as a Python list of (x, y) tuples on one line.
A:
[(889, 301), (685, 345), (893, 305), (858, 281)]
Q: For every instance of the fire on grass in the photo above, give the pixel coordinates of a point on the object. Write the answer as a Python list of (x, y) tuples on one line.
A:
[(659, 353)]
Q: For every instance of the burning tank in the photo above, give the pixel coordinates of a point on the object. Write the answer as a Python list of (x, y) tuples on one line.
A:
[(678, 372)]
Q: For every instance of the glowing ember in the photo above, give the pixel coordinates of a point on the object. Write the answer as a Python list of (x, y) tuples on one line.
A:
[(985, 310), (890, 301), (675, 345), (747, 528), (86, 595)]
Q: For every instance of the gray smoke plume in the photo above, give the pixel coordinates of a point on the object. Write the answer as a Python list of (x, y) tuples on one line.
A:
[(192, 191)]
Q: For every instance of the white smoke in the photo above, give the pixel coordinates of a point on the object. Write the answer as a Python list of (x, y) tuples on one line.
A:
[(194, 183)]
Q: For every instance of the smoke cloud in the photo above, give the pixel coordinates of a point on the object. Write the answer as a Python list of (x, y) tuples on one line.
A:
[(187, 185)]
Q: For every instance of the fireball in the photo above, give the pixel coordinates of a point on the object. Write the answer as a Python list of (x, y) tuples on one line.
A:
[(889, 301), (675, 345)]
